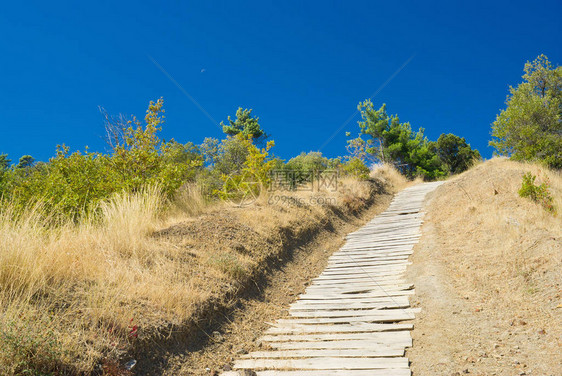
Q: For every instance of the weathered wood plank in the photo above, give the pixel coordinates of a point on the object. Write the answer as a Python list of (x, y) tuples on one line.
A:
[(386, 337), (372, 294), (350, 305), (380, 316), (280, 328), (350, 320), (372, 372), (323, 363), (336, 353)]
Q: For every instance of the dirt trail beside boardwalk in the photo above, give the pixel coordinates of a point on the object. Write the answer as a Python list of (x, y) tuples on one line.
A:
[(487, 273), (266, 302), (351, 320)]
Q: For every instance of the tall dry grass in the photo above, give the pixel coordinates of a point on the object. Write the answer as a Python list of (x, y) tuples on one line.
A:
[(83, 282), (391, 176), (502, 254), (501, 245), (72, 294)]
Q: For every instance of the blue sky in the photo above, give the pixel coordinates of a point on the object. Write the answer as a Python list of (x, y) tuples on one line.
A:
[(301, 66)]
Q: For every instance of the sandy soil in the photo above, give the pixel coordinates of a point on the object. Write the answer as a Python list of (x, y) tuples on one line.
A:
[(488, 280)]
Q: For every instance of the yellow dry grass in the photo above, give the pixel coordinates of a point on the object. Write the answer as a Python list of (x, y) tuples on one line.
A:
[(87, 284), (503, 254), (519, 237), (391, 175), (80, 292)]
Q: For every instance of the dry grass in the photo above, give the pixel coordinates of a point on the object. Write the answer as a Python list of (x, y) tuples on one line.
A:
[(516, 235), (391, 175), (87, 283), (80, 294), (503, 254)]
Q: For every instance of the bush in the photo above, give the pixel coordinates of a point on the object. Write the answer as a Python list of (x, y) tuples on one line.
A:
[(252, 176), (455, 153), (530, 127), (390, 141), (74, 183), (537, 193), (29, 349), (356, 167), (311, 161)]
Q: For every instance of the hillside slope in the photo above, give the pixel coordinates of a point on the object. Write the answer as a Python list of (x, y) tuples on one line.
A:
[(488, 277), (142, 283)]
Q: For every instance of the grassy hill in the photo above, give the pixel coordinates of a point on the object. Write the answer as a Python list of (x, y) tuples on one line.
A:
[(133, 283), (488, 275)]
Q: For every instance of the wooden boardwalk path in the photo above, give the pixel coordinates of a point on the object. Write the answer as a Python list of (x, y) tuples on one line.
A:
[(353, 319)]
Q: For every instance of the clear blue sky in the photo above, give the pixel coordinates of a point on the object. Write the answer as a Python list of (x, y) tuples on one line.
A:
[(301, 65)]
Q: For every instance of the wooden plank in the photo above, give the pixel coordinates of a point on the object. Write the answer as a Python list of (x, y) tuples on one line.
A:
[(351, 303), (323, 363), (341, 328), (346, 259), (384, 279), (317, 313), (372, 294), (371, 283), (379, 268), (368, 285), (380, 275), (347, 344), (381, 316), (366, 304), (383, 337), (372, 372), (366, 260), (353, 279), (341, 310), (375, 250), (370, 270), (317, 353), (363, 264)]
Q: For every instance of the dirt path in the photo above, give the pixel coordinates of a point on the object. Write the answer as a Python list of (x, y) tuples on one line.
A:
[(266, 303), (348, 322), (480, 315)]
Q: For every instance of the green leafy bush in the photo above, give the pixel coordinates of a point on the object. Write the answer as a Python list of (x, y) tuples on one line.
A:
[(356, 167), (71, 184), (530, 127), (538, 193), (311, 161), (29, 349), (391, 141), (252, 176), (306, 165), (455, 153)]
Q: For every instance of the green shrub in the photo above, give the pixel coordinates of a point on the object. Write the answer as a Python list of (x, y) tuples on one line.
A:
[(306, 165), (71, 184), (357, 168), (29, 349), (530, 126), (537, 193), (252, 176), (455, 153), (390, 141)]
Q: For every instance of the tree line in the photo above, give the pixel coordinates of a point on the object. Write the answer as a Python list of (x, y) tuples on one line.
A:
[(71, 184)]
